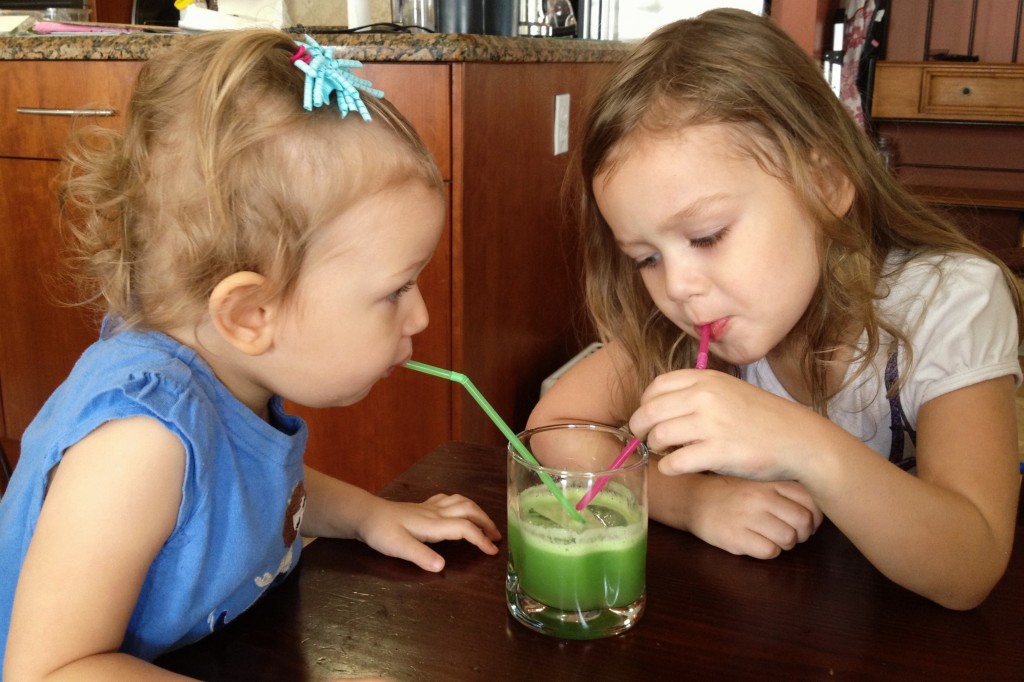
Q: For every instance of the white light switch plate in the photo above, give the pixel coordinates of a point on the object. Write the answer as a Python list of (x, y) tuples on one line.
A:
[(561, 136)]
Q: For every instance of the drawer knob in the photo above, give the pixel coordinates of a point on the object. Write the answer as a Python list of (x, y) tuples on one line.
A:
[(966, 90)]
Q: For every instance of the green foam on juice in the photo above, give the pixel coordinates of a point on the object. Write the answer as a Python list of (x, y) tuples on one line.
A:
[(573, 569)]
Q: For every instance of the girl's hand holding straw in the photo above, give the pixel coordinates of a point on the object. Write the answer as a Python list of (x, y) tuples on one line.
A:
[(702, 363)]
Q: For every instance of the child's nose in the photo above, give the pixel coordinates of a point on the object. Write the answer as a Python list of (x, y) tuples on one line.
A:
[(683, 281), (418, 317)]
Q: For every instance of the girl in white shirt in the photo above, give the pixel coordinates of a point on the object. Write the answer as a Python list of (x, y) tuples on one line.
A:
[(722, 186)]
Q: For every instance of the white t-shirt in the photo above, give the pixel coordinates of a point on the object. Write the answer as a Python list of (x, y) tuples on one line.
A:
[(959, 317)]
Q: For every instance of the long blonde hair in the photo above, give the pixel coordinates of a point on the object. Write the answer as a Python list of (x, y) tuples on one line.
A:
[(735, 68), (219, 170)]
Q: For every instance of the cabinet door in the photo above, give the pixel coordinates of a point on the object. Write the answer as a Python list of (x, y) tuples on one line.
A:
[(38, 101), (518, 306), (40, 335), (422, 92)]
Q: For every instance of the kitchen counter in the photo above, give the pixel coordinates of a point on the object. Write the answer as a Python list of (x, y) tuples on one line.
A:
[(377, 47)]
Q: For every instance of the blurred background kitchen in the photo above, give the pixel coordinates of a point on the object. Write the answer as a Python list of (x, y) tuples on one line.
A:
[(591, 19)]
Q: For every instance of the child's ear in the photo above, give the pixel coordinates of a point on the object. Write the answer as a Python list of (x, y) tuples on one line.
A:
[(841, 198), (240, 315), (836, 188)]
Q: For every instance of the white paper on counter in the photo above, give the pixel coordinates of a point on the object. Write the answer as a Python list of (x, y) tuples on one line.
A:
[(9, 23)]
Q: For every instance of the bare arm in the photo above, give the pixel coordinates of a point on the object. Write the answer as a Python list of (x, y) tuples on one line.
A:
[(112, 503), (945, 534), (589, 391)]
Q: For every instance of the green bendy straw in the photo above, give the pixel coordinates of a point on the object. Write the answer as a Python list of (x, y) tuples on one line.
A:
[(460, 378)]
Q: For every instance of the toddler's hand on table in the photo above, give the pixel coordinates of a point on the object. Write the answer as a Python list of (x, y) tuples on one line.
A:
[(400, 529), (754, 518)]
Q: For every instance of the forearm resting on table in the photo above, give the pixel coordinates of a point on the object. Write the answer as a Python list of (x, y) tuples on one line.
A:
[(934, 541), (945, 533), (334, 508)]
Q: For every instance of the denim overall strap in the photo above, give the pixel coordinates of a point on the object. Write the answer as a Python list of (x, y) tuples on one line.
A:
[(899, 426)]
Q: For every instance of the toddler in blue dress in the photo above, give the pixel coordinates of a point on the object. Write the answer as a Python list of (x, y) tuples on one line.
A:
[(254, 235)]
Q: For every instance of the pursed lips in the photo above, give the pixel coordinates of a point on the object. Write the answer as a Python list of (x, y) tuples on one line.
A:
[(717, 327)]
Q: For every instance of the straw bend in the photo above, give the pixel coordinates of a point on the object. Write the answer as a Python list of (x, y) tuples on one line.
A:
[(460, 378)]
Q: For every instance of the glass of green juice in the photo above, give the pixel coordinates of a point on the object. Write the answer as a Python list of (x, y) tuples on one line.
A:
[(569, 578)]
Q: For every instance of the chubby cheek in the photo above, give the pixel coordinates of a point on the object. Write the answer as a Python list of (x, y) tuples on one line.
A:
[(654, 283), (339, 385)]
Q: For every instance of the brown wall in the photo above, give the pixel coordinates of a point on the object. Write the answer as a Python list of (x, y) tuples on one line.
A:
[(113, 11), (805, 21), (951, 20)]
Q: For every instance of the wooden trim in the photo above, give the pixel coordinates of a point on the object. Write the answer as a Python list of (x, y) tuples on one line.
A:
[(458, 288), (1012, 200)]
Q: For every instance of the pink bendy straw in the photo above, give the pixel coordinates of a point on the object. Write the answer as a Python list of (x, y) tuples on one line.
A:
[(702, 352), (702, 363)]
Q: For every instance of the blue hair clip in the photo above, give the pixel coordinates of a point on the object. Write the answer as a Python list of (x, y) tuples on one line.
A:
[(325, 74)]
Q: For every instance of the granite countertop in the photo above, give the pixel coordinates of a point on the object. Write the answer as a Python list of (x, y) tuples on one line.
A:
[(376, 47)]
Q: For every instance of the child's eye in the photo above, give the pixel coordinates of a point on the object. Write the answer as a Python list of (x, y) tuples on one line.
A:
[(710, 240), (648, 262), (395, 295)]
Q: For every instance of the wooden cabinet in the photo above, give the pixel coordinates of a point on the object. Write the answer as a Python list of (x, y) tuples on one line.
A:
[(979, 92), (957, 133), (502, 289), (40, 336)]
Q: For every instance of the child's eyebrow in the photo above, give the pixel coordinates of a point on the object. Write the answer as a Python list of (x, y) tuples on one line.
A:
[(413, 267), (695, 208)]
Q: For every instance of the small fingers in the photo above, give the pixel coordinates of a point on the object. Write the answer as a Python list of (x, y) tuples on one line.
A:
[(780, 533), (425, 558), (409, 544), (462, 529), (746, 542), (786, 524), (756, 519), (683, 460), (765, 539), (805, 511), (458, 506), (760, 547)]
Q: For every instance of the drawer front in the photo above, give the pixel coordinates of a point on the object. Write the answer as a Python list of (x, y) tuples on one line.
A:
[(991, 95), (949, 92), (897, 91), (41, 102)]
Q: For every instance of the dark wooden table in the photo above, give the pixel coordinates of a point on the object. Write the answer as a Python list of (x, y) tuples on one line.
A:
[(818, 612)]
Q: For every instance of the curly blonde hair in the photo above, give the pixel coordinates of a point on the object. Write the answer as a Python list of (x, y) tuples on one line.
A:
[(220, 170), (735, 68)]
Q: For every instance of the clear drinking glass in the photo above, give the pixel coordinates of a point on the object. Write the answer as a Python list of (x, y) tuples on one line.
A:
[(566, 578)]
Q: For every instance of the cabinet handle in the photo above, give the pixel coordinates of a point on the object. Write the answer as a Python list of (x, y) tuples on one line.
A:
[(66, 112)]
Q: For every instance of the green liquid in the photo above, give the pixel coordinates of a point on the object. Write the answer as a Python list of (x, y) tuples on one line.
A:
[(567, 567)]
